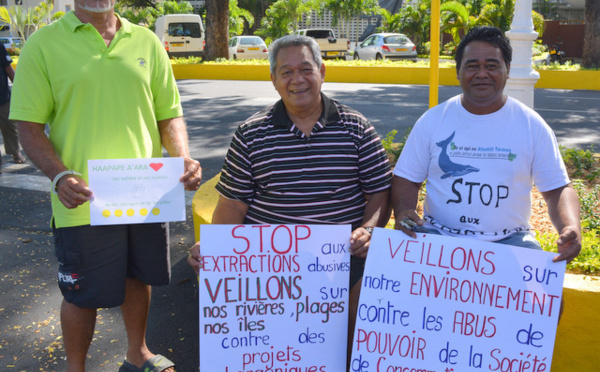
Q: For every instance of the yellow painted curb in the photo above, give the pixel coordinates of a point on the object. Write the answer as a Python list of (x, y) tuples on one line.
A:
[(204, 203), (222, 72), (585, 80), (577, 341)]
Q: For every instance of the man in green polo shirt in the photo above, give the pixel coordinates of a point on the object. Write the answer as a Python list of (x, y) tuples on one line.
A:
[(106, 90)]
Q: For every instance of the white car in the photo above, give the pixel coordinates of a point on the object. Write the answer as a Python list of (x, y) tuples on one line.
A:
[(386, 46), (247, 47)]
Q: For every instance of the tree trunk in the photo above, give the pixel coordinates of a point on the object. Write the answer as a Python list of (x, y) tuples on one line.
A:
[(217, 30), (591, 40)]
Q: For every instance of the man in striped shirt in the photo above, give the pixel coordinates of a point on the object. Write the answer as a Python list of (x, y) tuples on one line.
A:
[(306, 159)]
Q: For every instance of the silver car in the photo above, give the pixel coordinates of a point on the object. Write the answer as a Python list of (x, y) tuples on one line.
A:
[(386, 46), (11, 43), (247, 47)]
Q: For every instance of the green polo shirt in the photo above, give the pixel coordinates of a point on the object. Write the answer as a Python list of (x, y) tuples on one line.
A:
[(99, 102)]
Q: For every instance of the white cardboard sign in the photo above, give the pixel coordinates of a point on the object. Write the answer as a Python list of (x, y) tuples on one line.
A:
[(445, 304), (274, 298)]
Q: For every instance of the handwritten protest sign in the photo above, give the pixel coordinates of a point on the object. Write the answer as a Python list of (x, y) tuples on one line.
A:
[(130, 191), (274, 298), (446, 304)]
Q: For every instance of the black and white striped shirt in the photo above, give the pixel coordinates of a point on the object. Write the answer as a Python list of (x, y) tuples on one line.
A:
[(288, 178)]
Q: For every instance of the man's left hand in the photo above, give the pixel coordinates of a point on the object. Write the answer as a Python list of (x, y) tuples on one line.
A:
[(359, 242), (193, 174), (569, 244)]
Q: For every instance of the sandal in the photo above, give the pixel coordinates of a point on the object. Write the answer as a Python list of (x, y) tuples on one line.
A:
[(18, 158)]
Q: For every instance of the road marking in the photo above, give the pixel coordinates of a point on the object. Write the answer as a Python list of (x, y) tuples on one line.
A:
[(569, 97), (25, 181), (590, 111)]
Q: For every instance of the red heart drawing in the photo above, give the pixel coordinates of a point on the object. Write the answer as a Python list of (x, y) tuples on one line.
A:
[(156, 166)]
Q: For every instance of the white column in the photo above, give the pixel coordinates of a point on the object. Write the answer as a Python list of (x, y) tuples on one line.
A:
[(522, 76)]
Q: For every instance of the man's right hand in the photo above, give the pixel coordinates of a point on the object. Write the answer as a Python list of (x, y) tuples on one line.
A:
[(73, 191), (194, 259), (408, 215)]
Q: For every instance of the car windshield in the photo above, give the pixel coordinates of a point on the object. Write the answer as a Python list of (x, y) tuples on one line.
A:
[(251, 41), (319, 34), (396, 39), (185, 29)]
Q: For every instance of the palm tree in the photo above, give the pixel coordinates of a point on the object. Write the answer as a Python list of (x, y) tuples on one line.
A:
[(498, 13), (416, 23), (281, 18), (390, 22), (26, 21), (456, 18), (238, 17)]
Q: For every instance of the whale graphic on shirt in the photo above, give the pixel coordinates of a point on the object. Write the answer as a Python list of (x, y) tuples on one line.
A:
[(450, 168)]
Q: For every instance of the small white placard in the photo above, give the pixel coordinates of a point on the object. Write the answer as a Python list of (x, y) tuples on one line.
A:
[(128, 191)]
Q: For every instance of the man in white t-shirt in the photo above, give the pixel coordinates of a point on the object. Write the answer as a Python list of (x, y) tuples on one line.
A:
[(481, 152)]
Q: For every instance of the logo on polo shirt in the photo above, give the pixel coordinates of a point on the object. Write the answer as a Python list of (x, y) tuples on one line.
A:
[(142, 62)]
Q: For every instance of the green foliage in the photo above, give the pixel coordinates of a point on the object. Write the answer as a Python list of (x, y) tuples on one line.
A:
[(590, 206), (392, 149), (567, 66), (147, 15), (281, 18), (456, 19), (538, 23), (390, 22), (581, 163), (449, 49), (497, 13), (415, 23), (27, 20), (186, 60), (344, 11), (538, 49), (238, 17)]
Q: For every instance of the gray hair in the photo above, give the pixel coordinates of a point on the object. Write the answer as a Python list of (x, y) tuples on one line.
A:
[(289, 41)]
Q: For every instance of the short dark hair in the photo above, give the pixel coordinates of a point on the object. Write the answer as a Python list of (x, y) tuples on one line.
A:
[(293, 41), (488, 34)]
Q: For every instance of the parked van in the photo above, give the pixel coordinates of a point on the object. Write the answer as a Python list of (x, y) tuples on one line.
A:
[(181, 34)]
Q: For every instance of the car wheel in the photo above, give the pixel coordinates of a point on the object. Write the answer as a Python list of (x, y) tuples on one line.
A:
[(378, 57), (356, 56)]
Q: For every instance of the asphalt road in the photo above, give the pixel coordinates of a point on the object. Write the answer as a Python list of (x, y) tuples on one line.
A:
[(30, 336), (215, 108)]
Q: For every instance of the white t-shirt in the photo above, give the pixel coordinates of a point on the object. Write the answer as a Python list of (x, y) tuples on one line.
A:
[(480, 168)]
